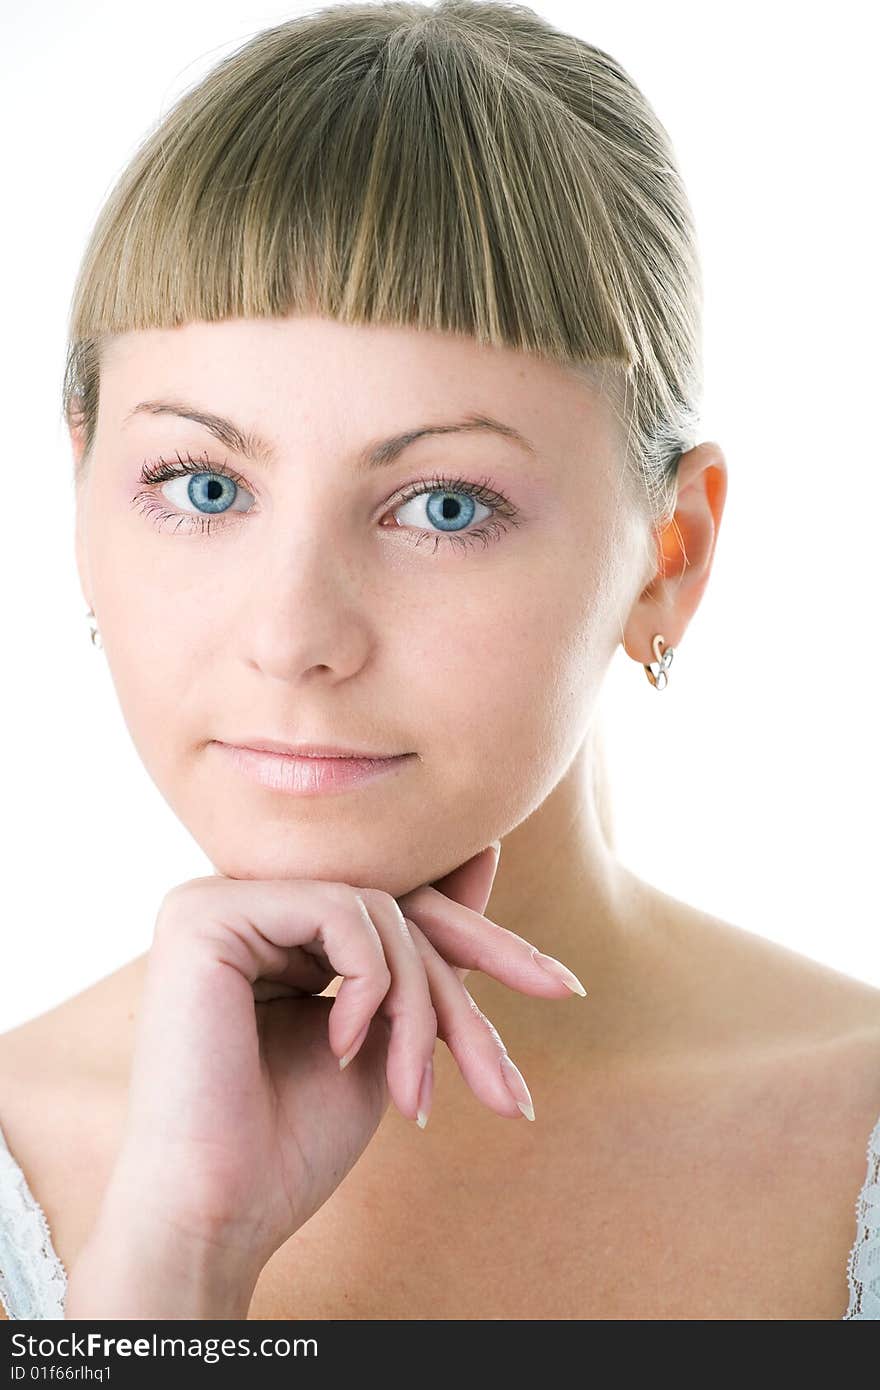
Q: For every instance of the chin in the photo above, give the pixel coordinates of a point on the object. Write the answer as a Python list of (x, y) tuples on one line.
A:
[(356, 869)]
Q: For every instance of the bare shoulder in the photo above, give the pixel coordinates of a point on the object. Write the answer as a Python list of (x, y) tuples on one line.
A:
[(769, 991), (62, 1118), (774, 1020), (791, 1027), (83, 1040), (48, 1081)]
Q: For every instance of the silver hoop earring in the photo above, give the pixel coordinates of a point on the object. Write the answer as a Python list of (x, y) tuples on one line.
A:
[(659, 678), (97, 640)]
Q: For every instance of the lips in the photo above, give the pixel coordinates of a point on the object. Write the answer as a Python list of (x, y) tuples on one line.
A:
[(307, 775), (305, 750)]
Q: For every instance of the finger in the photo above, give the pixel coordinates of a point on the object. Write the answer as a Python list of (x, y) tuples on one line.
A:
[(467, 938), (266, 930), (470, 884), (470, 1036), (407, 1004), (303, 975)]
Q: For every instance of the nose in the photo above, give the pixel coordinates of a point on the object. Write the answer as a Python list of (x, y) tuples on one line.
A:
[(306, 608)]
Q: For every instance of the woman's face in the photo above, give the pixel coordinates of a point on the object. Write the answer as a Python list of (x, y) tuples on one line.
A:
[(326, 603)]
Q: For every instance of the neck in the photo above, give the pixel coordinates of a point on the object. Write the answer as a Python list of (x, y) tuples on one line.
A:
[(560, 886)]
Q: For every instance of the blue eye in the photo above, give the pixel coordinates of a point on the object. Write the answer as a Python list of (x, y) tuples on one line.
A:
[(212, 490), (209, 489), (445, 509)]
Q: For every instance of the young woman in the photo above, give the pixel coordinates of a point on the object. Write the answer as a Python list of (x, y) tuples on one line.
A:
[(383, 387)]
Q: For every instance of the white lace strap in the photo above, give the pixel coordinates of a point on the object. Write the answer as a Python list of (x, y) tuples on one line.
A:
[(863, 1265), (33, 1281)]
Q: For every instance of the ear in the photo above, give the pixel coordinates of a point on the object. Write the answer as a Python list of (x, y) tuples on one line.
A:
[(684, 553)]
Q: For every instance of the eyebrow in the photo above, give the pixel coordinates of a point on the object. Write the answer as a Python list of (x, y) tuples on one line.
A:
[(381, 454)]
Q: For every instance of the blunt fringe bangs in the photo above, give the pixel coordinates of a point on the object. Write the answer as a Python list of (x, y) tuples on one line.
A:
[(463, 167)]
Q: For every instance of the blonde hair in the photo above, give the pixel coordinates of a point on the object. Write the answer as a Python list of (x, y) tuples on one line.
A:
[(463, 167)]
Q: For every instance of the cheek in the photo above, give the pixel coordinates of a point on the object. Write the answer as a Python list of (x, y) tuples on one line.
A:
[(147, 636), (505, 691)]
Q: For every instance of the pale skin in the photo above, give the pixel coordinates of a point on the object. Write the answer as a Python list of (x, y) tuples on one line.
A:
[(711, 1089)]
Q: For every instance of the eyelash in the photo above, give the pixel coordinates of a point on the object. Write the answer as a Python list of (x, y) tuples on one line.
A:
[(161, 470)]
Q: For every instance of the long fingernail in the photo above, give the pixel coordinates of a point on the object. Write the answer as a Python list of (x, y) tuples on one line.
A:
[(426, 1090), (517, 1087), (347, 1056), (559, 971)]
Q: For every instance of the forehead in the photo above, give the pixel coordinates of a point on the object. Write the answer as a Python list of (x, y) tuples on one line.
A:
[(283, 375)]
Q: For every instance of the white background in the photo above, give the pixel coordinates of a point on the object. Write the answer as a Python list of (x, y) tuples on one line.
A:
[(749, 786)]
